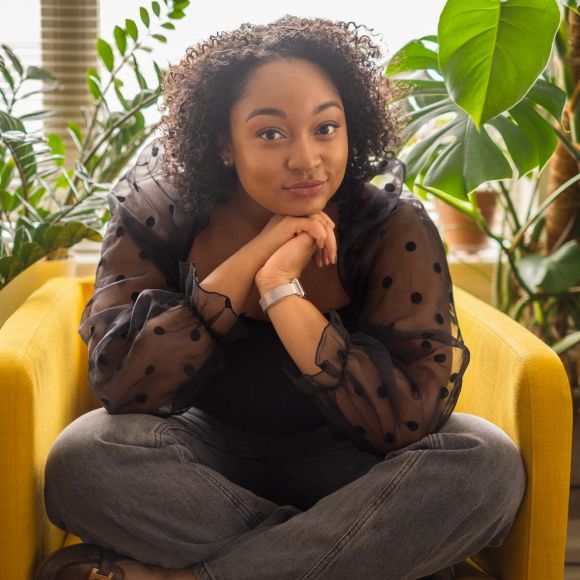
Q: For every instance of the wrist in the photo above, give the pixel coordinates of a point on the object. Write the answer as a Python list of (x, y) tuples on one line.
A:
[(278, 293), (266, 283)]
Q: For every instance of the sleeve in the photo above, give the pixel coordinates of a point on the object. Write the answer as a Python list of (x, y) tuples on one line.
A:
[(148, 325), (397, 377)]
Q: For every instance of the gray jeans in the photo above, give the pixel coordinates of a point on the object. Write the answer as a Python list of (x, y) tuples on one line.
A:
[(190, 491)]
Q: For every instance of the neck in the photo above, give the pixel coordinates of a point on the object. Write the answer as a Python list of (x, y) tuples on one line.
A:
[(251, 214)]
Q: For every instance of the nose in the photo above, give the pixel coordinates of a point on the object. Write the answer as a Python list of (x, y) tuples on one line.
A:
[(304, 155)]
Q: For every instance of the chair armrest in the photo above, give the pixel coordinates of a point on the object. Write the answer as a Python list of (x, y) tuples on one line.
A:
[(43, 387), (517, 382)]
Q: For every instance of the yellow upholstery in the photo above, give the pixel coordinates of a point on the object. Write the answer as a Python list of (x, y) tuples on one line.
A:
[(513, 380)]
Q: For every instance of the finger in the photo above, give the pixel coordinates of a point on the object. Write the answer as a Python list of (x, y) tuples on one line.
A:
[(318, 231), (321, 216), (318, 258), (330, 246)]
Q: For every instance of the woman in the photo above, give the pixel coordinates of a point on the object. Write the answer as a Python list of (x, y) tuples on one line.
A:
[(250, 431)]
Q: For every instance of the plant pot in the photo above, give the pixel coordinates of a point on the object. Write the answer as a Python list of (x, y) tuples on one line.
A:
[(21, 287), (461, 232)]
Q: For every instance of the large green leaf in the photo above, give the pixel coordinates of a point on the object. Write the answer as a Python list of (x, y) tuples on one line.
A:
[(554, 273), (524, 136), (549, 96), (469, 160), (491, 52), (520, 147), (413, 56), (417, 157), (538, 130)]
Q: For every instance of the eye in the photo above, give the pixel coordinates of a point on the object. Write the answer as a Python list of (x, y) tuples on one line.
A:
[(331, 126), (269, 132)]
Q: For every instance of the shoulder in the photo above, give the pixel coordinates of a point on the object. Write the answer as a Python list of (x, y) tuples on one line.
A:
[(375, 208), (385, 223), (148, 205), (145, 181)]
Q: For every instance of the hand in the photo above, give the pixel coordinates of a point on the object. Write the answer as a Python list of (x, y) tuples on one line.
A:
[(282, 228), (313, 238)]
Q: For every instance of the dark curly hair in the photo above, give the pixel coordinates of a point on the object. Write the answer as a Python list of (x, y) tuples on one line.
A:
[(200, 91)]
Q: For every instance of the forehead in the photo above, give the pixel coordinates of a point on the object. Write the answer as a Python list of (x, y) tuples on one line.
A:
[(287, 82)]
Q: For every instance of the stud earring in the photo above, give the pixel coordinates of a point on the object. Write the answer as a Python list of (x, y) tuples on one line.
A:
[(229, 164)]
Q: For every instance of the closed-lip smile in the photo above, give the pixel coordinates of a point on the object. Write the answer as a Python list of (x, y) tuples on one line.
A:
[(300, 184)]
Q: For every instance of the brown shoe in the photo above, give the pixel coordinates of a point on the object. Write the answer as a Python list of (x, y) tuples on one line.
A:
[(81, 562), (92, 562)]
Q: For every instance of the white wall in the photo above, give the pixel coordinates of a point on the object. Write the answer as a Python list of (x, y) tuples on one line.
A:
[(398, 20)]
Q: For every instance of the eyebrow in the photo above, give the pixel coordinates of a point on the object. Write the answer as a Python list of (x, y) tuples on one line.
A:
[(282, 114)]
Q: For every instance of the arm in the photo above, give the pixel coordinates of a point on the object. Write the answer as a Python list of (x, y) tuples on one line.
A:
[(153, 333), (397, 377), (234, 278)]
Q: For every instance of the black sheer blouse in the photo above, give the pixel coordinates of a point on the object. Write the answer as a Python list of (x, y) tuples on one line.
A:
[(391, 362)]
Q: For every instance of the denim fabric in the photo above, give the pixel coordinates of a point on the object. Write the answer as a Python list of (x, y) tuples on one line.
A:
[(191, 492)]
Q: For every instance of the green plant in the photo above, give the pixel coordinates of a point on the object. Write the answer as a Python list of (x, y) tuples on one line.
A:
[(45, 208), (482, 107)]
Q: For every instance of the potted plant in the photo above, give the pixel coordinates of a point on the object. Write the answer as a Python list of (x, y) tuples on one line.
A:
[(483, 107), (44, 208)]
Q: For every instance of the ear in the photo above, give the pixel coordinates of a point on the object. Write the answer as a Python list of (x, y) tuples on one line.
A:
[(224, 147)]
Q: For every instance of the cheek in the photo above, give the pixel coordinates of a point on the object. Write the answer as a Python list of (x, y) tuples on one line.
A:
[(251, 167), (340, 155)]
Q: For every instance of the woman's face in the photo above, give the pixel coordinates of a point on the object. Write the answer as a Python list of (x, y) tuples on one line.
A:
[(288, 127)]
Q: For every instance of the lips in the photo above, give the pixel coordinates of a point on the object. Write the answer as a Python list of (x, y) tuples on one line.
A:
[(306, 188), (300, 184)]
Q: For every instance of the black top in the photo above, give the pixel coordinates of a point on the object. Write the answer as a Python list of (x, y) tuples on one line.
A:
[(253, 391), (391, 362)]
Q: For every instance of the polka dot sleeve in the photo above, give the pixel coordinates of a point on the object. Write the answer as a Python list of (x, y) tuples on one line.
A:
[(398, 375), (149, 326)]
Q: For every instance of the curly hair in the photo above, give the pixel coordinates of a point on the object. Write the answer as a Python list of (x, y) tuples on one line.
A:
[(201, 89)]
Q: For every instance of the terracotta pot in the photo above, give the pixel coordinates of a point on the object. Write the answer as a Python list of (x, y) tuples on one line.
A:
[(459, 231), (21, 287)]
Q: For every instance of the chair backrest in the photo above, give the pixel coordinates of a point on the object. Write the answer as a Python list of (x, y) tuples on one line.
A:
[(516, 381)]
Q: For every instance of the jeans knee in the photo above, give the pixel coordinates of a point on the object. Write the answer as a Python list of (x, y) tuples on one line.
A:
[(83, 465), (72, 459), (502, 474)]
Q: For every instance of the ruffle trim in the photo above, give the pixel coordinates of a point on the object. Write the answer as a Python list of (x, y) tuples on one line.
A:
[(210, 306)]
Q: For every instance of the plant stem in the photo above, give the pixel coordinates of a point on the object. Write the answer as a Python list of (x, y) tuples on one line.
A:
[(568, 144), (535, 190), (124, 60), (519, 308), (512, 211), (152, 98), (543, 207), (497, 287)]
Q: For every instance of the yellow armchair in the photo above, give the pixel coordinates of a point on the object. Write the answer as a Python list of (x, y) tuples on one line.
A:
[(514, 380)]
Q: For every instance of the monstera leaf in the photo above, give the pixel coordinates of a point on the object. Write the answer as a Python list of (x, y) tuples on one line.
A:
[(487, 103)]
